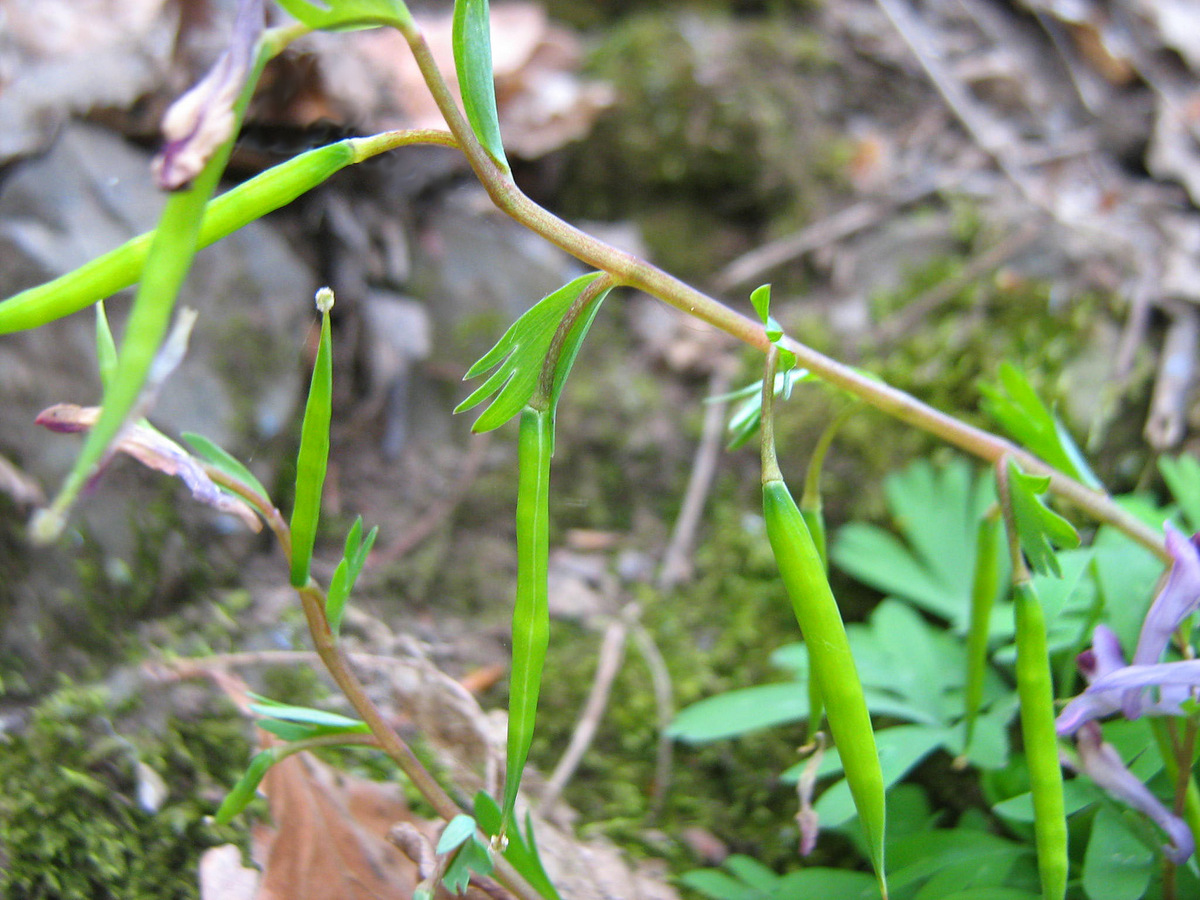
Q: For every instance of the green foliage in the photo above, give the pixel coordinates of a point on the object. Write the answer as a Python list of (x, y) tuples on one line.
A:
[(521, 849), (472, 40), (347, 15), (518, 357), (353, 559), (1017, 408), (1039, 528), (1182, 475), (937, 513)]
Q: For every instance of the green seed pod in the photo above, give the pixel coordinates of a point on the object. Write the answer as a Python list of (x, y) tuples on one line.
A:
[(983, 593), (531, 612), (830, 660), (1036, 693), (313, 456), (118, 269)]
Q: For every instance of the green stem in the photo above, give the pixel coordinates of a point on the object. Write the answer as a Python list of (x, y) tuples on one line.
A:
[(629, 270), (1035, 691), (334, 659)]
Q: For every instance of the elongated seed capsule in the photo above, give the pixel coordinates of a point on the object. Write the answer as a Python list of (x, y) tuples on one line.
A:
[(984, 586), (313, 456), (239, 206), (814, 519), (118, 269), (531, 612), (830, 660), (1036, 693)]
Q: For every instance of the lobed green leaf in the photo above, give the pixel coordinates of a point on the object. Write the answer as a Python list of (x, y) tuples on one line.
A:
[(347, 572), (1017, 408), (1039, 528), (457, 831), (522, 849), (518, 356)]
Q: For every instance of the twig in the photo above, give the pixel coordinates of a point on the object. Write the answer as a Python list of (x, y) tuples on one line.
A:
[(1176, 371), (676, 564), (660, 678), (841, 224)]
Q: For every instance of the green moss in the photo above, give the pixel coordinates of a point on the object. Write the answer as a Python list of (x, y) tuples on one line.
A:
[(71, 827)]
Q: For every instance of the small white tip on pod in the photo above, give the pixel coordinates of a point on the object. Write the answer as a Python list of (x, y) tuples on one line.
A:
[(324, 299)]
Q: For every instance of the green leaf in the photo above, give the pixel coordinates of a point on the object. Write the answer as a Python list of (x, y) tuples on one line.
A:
[(900, 750), (1017, 408), (937, 511), (747, 416), (243, 792), (458, 830), (223, 461), (717, 885), (347, 15), (1115, 866), (472, 40), (818, 882), (761, 298), (522, 849), (1182, 475), (916, 858), (739, 712), (313, 456), (1039, 528), (270, 709), (518, 356), (354, 557), (473, 856)]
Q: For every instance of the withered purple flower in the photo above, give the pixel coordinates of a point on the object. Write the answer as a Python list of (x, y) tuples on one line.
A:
[(1102, 764), (155, 450), (202, 119)]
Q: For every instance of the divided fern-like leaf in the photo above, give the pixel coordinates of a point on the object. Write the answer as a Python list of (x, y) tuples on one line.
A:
[(1039, 527), (1017, 408), (518, 356)]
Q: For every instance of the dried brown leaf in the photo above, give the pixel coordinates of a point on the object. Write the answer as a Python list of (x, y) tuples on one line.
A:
[(330, 838)]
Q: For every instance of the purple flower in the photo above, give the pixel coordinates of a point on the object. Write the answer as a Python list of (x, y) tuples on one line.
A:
[(1101, 763), (202, 119), (1176, 601)]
